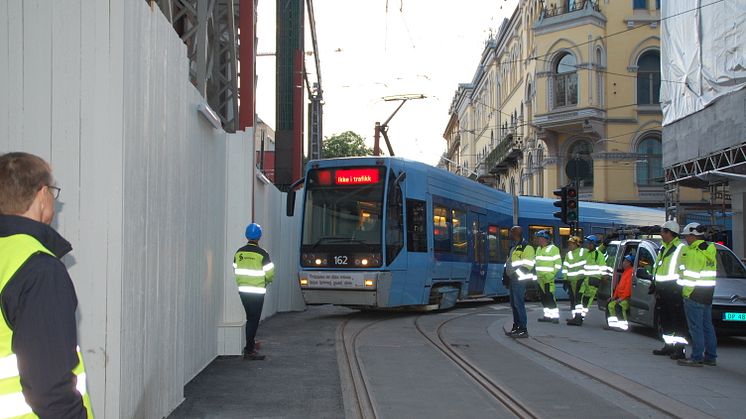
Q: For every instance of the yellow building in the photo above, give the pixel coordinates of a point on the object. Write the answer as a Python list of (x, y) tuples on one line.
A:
[(575, 79)]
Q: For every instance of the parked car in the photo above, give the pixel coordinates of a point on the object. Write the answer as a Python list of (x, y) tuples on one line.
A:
[(729, 302)]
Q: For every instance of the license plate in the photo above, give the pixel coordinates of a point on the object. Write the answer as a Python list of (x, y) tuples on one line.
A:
[(734, 317)]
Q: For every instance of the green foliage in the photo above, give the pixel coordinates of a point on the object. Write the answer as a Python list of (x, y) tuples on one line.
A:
[(346, 144)]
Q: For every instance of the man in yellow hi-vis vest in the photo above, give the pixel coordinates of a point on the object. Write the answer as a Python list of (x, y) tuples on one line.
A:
[(254, 271), (697, 277), (41, 368)]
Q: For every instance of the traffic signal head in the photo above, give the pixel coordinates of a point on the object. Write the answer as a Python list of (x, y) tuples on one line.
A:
[(561, 203), (572, 213)]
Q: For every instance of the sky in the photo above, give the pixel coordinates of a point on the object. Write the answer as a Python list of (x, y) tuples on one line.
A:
[(416, 47)]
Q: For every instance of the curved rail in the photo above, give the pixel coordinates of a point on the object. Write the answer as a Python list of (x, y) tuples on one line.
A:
[(500, 393), (363, 402)]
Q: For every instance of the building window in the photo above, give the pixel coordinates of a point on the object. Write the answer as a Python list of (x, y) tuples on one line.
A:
[(650, 162), (565, 81), (583, 150), (657, 4), (640, 4), (649, 78)]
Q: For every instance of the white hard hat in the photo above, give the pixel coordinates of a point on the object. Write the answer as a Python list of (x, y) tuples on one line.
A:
[(694, 229), (672, 226)]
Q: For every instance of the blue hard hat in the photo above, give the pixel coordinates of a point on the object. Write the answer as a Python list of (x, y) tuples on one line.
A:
[(544, 234), (630, 259), (593, 239), (254, 231)]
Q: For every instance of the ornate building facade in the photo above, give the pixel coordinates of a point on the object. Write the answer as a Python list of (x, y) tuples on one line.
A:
[(564, 80)]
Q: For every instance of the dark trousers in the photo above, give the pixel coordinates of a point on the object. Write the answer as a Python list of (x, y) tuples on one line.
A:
[(573, 292), (253, 304), (518, 303), (670, 309)]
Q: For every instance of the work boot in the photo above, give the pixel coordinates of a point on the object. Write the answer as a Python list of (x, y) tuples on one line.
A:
[(689, 363), (710, 362), (253, 356), (575, 321), (519, 334), (665, 350), (678, 353), (513, 330), (545, 319)]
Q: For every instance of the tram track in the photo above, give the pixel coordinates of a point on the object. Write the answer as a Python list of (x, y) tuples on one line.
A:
[(480, 377), (359, 403), (632, 389), (362, 406)]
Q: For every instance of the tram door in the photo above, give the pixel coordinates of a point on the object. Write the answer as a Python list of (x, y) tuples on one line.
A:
[(478, 253)]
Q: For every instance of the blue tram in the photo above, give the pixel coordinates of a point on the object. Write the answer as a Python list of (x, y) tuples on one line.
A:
[(382, 232)]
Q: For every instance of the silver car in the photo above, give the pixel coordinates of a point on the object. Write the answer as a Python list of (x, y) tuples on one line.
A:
[(729, 302)]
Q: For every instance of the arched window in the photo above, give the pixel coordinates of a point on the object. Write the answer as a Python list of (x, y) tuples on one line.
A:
[(565, 81), (650, 161), (582, 149), (649, 78)]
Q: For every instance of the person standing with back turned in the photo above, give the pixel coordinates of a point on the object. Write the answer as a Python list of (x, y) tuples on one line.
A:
[(697, 273), (41, 368), (254, 271), (573, 271), (518, 271)]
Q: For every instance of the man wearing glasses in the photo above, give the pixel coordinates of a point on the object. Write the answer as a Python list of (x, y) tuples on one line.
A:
[(41, 368)]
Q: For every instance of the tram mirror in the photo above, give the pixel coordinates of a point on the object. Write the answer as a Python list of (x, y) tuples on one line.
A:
[(290, 209)]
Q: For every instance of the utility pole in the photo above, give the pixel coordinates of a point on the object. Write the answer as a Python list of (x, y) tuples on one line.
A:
[(382, 129)]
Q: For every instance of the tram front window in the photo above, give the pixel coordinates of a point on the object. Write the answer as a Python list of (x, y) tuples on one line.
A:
[(343, 218)]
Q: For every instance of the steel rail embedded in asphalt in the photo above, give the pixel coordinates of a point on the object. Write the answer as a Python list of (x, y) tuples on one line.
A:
[(499, 392)]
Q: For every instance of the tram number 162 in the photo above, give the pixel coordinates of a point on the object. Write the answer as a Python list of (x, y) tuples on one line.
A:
[(340, 260)]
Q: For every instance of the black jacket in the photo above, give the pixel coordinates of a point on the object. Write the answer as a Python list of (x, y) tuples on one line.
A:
[(39, 304)]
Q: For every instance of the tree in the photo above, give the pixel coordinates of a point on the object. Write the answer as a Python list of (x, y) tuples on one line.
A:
[(346, 144)]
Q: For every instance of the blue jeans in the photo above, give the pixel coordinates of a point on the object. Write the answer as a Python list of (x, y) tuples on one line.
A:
[(704, 341), (517, 303)]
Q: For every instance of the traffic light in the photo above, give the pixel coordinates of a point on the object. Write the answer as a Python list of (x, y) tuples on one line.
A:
[(562, 203), (571, 205)]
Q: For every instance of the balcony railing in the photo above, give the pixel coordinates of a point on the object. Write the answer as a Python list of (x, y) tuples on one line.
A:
[(569, 7), (506, 151)]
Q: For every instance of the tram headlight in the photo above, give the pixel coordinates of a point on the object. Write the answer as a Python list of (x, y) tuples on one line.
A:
[(304, 282), (318, 262), (369, 283)]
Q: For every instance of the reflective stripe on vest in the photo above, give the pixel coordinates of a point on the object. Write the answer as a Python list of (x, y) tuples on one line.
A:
[(15, 251), (672, 265)]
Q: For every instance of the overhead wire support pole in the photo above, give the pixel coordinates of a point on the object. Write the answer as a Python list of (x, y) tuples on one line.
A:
[(382, 129)]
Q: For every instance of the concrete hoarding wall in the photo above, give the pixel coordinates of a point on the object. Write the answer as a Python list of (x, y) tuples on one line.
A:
[(150, 191)]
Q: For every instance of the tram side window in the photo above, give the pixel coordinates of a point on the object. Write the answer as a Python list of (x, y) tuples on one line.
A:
[(534, 229), (504, 244), (441, 229), (416, 233), (460, 236), (493, 237), (395, 221), (565, 236)]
